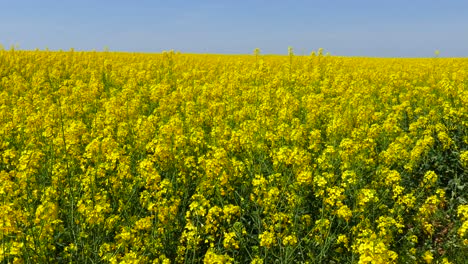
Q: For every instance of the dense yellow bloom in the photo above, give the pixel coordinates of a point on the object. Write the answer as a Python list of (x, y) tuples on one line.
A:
[(428, 257), (212, 258), (257, 260), (366, 196), (349, 178), (334, 196), (305, 177), (290, 240), (464, 158), (372, 249), (267, 239), (463, 214), (183, 158), (430, 178), (230, 241), (344, 212)]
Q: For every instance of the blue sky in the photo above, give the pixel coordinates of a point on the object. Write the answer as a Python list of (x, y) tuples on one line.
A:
[(349, 28)]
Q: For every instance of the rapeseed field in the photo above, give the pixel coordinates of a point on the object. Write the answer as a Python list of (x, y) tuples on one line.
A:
[(176, 158)]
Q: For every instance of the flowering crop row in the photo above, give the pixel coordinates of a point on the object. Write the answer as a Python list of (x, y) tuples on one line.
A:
[(176, 158)]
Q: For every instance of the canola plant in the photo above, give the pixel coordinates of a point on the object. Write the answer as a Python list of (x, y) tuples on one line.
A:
[(177, 158)]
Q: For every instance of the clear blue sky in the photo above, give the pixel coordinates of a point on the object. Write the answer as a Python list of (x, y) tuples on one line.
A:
[(398, 28)]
